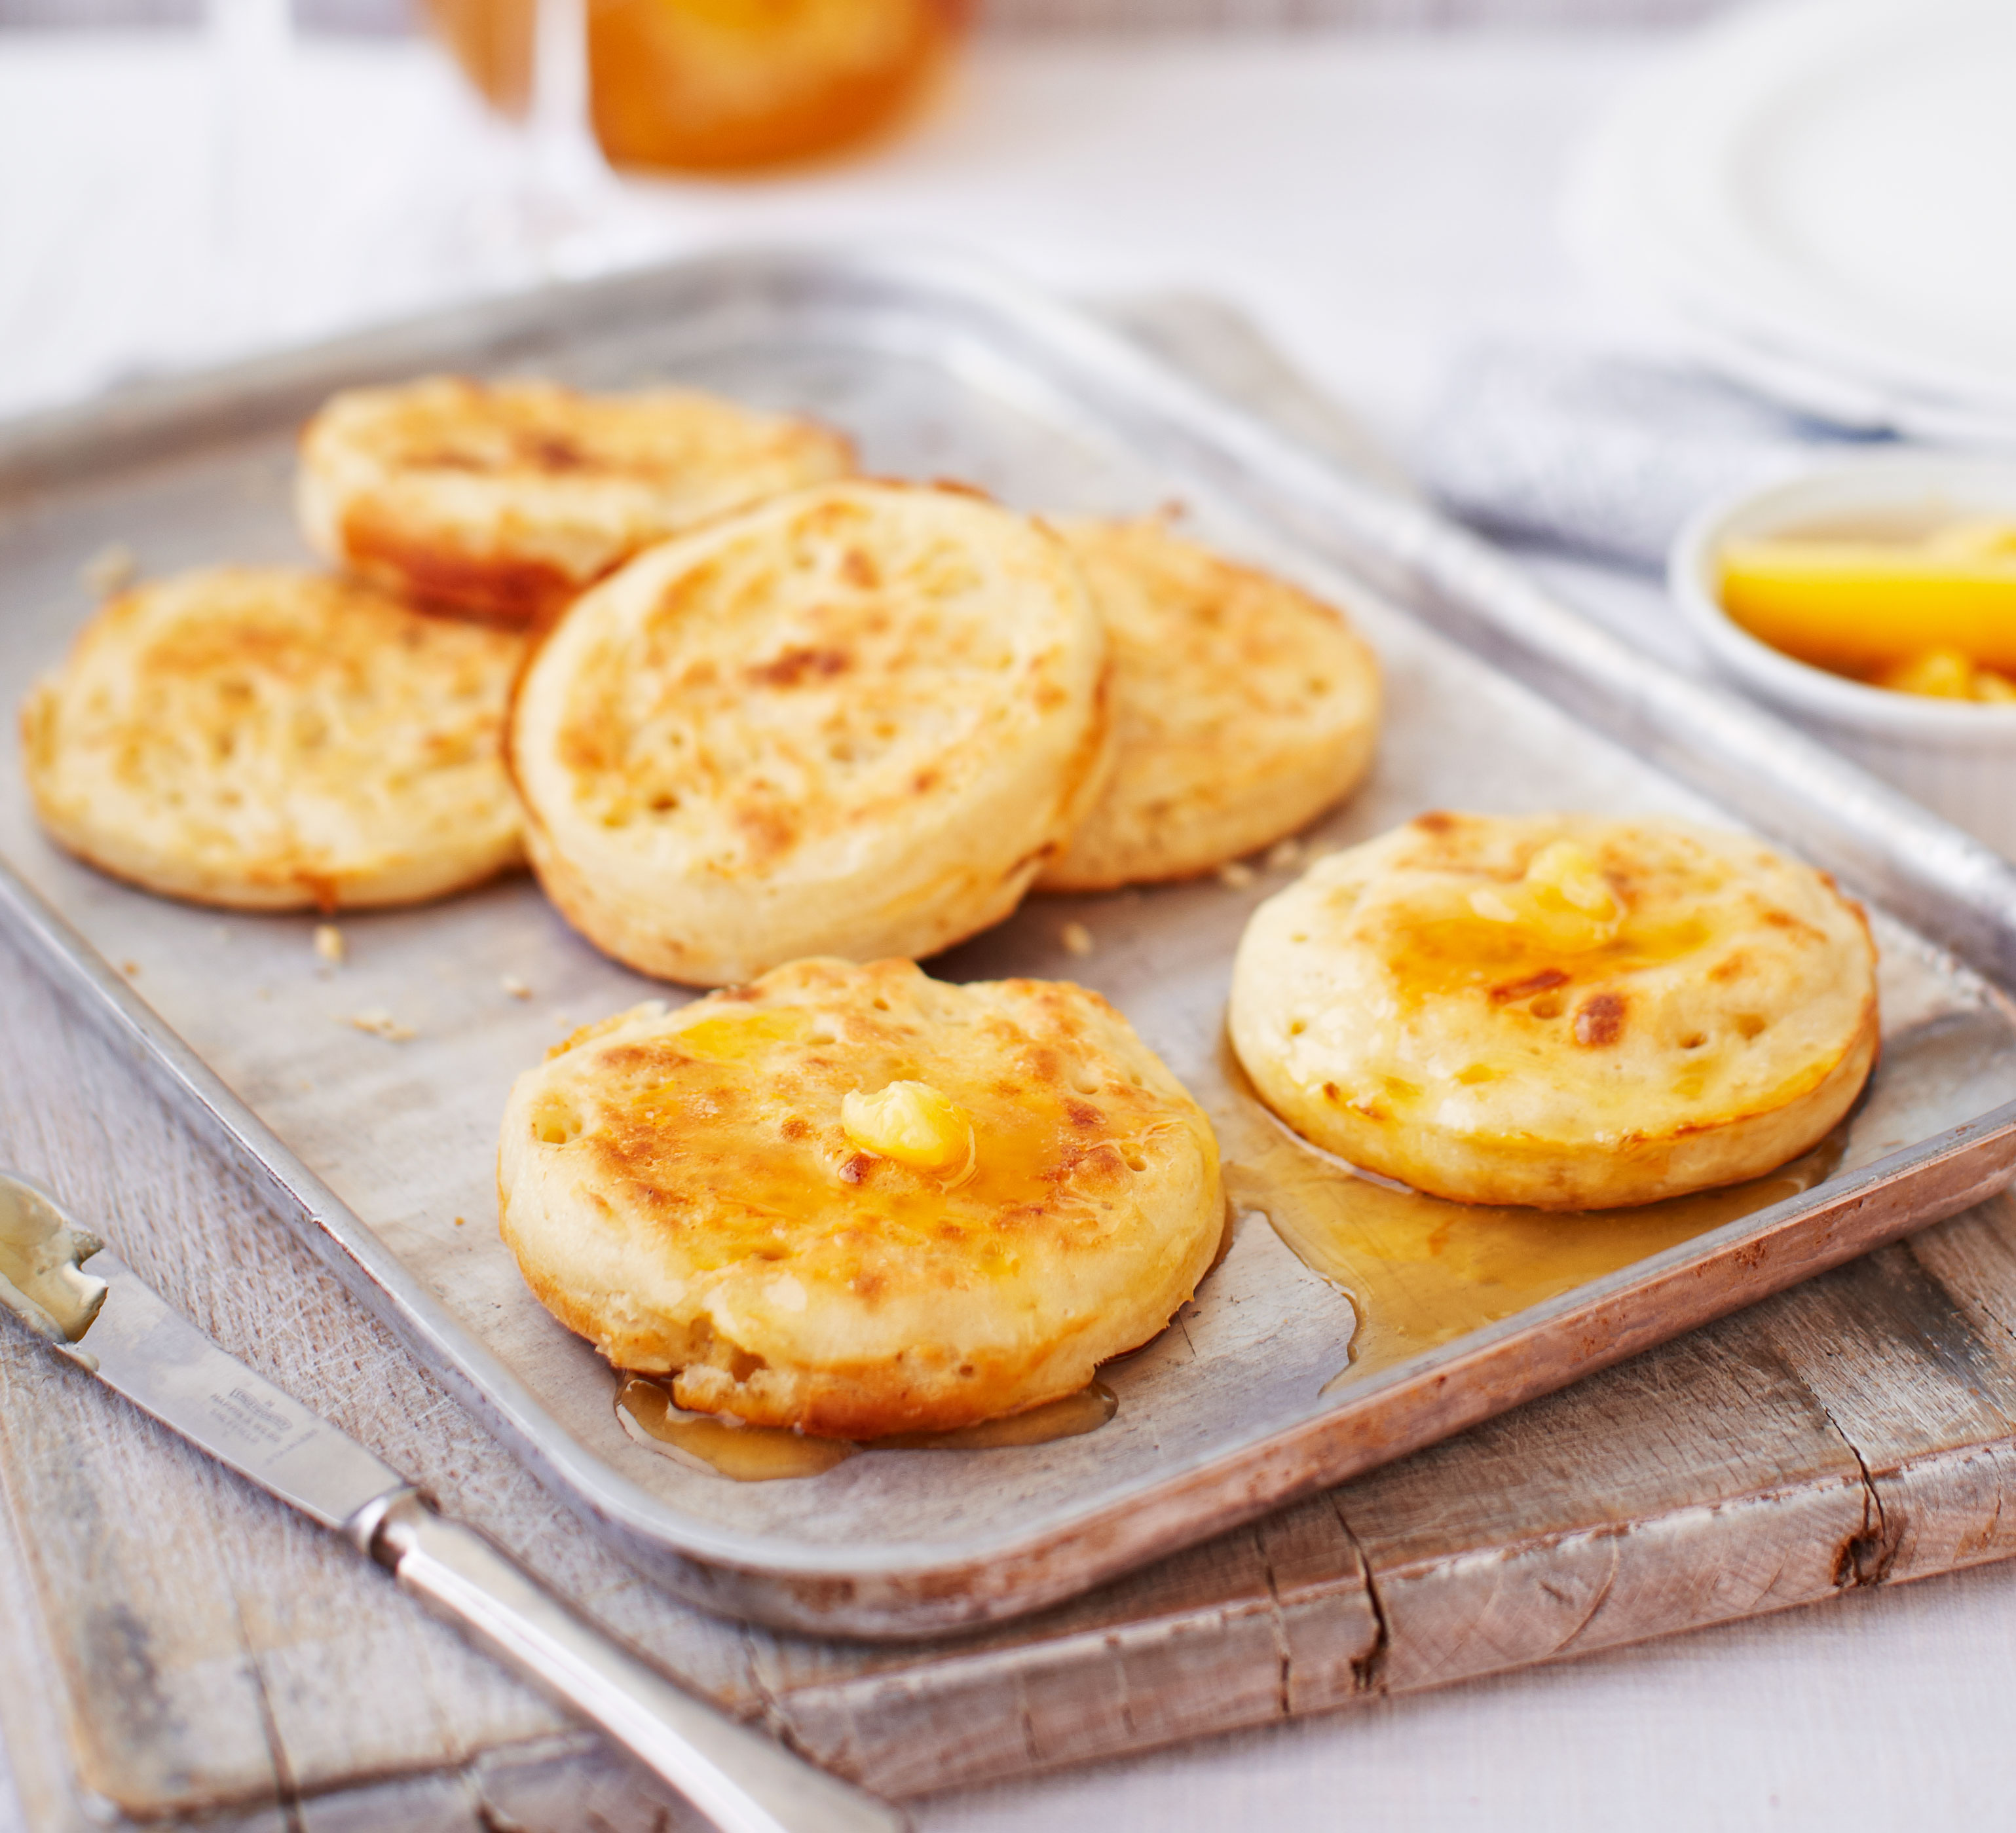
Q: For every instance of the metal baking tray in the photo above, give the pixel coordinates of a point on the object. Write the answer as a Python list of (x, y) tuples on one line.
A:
[(1499, 700)]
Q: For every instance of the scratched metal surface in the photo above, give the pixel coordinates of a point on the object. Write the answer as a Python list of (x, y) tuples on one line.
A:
[(391, 1145)]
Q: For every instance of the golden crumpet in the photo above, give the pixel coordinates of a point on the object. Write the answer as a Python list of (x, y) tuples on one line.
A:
[(270, 739), (1243, 708), (858, 1201), (854, 721), (507, 499), (1561, 1011)]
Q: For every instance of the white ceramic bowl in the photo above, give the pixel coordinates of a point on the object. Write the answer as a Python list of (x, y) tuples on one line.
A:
[(1956, 757)]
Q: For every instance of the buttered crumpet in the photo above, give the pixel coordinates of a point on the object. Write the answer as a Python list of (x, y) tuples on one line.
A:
[(858, 1201), (855, 721), (271, 740), (506, 498), (1560, 1010), (1243, 708)]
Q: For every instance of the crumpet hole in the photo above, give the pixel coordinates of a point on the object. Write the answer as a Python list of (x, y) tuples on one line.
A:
[(1134, 1161), (1547, 1006), (1749, 1024), (556, 1120), (1694, 1040)]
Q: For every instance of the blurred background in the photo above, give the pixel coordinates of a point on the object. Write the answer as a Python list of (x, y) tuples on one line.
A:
[(401, 16), (1574, 268), (182, 180)]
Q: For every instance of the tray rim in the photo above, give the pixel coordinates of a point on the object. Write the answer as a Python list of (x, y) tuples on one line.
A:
[(1447, 580)]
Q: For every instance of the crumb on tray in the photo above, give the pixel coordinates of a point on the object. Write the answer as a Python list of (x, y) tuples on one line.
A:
[(111, 569), (381, 1023), (329, 943), (1235, 874), (1077, 938)]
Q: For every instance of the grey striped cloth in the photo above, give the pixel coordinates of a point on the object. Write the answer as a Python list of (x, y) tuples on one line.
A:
[(1604, 455)]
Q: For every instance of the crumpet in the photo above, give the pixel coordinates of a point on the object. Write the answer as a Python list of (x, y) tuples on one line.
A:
[(272, 740), (857, 1201), (1242, 709), (507, 499), (855, 721), (1559, 1011)]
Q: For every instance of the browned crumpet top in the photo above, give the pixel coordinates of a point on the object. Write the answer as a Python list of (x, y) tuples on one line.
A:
[(508, 497), (1243, 708), (1558, 1009), (859, 1201), (267, 739), (853, 721)]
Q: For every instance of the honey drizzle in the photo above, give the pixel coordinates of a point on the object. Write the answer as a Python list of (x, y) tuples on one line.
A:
[(749, 1453), (761, 1453), (1420, 1271)]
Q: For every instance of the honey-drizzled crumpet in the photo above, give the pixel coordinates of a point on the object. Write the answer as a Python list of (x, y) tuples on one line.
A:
[(1243, 708), (1559, 1011), (859, 1201), (854, 721), (507, 499), (273, 740)]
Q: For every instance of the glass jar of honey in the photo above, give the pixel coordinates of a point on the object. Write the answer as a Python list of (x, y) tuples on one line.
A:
[(719, 85), (492, 40)]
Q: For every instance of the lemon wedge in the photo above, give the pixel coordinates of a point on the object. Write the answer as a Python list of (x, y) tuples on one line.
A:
[(1860, 607)]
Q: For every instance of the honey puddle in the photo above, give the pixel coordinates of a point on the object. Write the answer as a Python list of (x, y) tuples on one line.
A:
[(1421, 1271), (763, 1453)]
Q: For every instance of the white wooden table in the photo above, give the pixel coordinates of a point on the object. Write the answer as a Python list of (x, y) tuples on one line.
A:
[(1376, 203)]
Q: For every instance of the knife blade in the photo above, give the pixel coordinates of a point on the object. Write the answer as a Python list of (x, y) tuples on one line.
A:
[(166, 1367), (110, 1322)]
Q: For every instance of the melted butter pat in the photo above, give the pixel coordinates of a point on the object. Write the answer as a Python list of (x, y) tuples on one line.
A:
[(1563, 910), (1421, 1272), (912, 1122), (1563, 903), (758, 1453)]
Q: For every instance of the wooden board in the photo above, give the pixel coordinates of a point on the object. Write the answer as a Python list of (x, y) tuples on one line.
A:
[(173, 1645)]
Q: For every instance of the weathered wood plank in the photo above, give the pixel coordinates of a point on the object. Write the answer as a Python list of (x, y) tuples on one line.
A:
[(1265, 1622)]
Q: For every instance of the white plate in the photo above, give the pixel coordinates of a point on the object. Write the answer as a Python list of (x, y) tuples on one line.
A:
[(1829, 187)]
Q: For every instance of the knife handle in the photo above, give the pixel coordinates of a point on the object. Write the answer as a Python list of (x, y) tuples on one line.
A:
[(741, 1781)]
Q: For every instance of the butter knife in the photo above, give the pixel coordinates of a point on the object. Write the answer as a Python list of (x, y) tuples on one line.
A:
[(111, 1322)]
